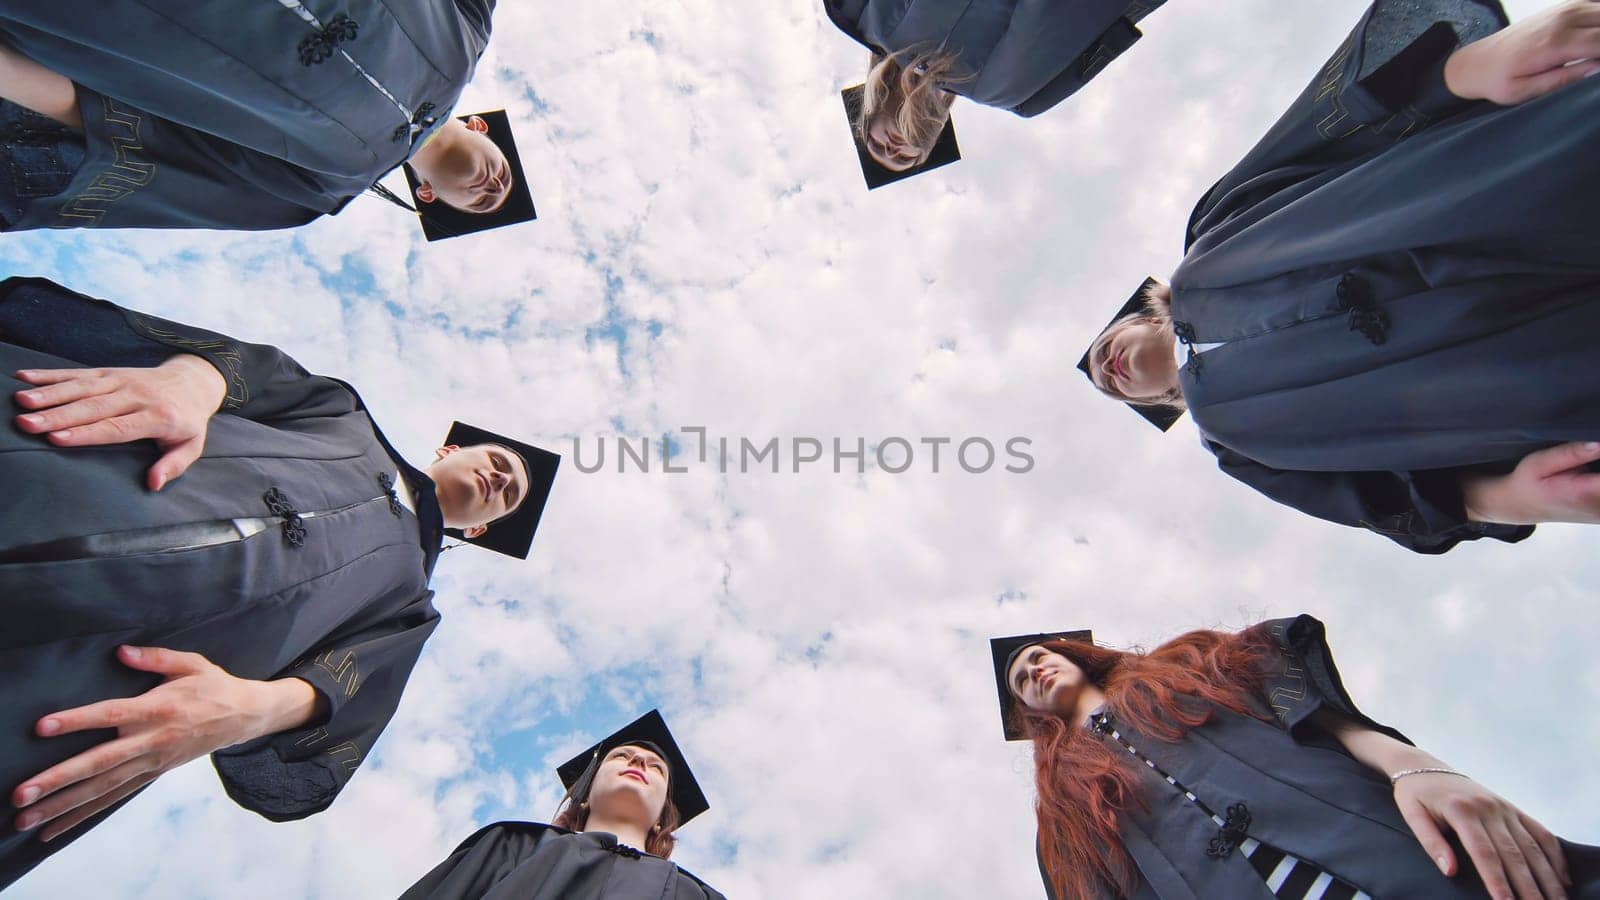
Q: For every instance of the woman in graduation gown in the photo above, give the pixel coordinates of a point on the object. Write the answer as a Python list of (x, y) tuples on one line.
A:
[(1237, 766), (237, 115), (251, 579), (1383, 316), (611, 840), (1022, 57)]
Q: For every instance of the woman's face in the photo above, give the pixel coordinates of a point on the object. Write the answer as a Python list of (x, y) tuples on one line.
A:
[(470, 173), (630, 784), (1136, 361), (1045, 680), (888, 147)]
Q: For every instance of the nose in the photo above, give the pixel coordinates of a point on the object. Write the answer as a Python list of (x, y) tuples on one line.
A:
[(498, 479)]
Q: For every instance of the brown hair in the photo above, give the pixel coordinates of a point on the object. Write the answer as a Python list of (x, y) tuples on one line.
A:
[(1085, 786), (1157, 307), (908, 84), (574, 812)]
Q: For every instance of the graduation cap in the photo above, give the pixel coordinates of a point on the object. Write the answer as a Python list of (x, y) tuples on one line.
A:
[(649, 731), (1162, 417), (511, 534), (1005, 650), (440, 220), (944, 150)]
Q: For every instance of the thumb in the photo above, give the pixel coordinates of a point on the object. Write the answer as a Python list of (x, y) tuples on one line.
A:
[(1552, 80), (175, 462), (1429, 836), (161, 661), (1562, 457)]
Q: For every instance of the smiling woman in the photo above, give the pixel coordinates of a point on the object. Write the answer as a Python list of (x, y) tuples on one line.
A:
[(632, 790)]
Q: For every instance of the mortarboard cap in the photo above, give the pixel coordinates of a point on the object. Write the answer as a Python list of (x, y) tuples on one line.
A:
[(1005, 650), (944, 150), (512, 534), (440, 220), (1162, 417), (649, 730)]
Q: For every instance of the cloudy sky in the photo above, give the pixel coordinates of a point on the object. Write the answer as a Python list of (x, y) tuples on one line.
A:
[(707, 256)]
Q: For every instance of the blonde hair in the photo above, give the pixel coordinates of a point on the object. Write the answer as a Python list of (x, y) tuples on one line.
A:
[(1157, 308), (908, 84)]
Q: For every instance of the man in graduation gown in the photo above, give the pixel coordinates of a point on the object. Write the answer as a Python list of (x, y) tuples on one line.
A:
[(243, 115), (626, 797), (271, 601), (1387, 302)]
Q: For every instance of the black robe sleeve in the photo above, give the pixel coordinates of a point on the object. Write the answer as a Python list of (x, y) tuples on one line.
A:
[(263, 383), (358, 678), (1301, 678), (1421, 511), (1384, 83)]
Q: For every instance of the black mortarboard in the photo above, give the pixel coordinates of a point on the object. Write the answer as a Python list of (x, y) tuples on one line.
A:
[(440, 220), (649, 730), (1162, 417), (1005, 650), (512, 534), (944, 150)]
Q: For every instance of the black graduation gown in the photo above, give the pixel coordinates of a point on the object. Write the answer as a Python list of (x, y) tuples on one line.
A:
[(1305, 795), (339, 598), (243, 115), (534, 861), (1021, 56), (1405, 285)]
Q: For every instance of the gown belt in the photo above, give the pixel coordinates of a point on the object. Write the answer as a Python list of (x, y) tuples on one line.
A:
[(156, 539)]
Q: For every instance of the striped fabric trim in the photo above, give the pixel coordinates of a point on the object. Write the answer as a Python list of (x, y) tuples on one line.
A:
[(311, 19), (1286, 875)]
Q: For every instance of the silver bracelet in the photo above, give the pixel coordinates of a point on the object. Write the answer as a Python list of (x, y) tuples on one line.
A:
[(1424, 771)]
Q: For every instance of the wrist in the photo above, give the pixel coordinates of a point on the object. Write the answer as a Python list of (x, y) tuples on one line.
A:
[(208, 382), (283, 704), (1459, 69)]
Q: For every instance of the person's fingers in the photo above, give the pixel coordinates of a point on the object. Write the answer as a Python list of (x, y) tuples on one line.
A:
[(82, 413), (1428, 835), (63, 390), (1562, 457), (51, 376), (84, 813), (1543, 869), (82, 792), (102, 714), (1514, 860), (1464, 821), (177, 460), (1547, 841), (1538, 85), (162, 661), (88, 764), (132, 424)]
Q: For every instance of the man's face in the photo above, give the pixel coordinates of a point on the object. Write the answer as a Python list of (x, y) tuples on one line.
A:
[(477, 484), (470, 173)]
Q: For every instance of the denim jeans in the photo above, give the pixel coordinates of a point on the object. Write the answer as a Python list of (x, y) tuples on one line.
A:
[(38, 157)]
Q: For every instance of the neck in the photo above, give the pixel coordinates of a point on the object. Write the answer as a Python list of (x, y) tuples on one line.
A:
[(426, 155), (1089, 699), (627, 832)]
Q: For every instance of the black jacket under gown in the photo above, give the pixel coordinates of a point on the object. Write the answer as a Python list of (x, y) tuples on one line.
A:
[(534, 861), (339, 598), (1405, 285), (1304, 793)]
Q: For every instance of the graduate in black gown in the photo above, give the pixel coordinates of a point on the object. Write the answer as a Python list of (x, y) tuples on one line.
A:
[(1384, 312), (1237, 766), (611, 839), (240, 115), (207, 549)]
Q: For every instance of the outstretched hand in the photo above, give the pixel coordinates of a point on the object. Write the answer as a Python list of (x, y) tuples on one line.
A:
[(1550, 485), (1517, 858), (170, 404), (1546, 51), (200, 708)]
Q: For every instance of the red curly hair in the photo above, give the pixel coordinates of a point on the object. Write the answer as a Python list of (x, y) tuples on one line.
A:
[(1085, 786)]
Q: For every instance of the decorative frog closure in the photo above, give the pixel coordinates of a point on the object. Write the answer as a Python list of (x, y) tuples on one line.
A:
[(316, 48), (387, 483), (1356, 296), (1184, 331), (294, 528), (421, 121), (1235, 828), (624, 850)]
